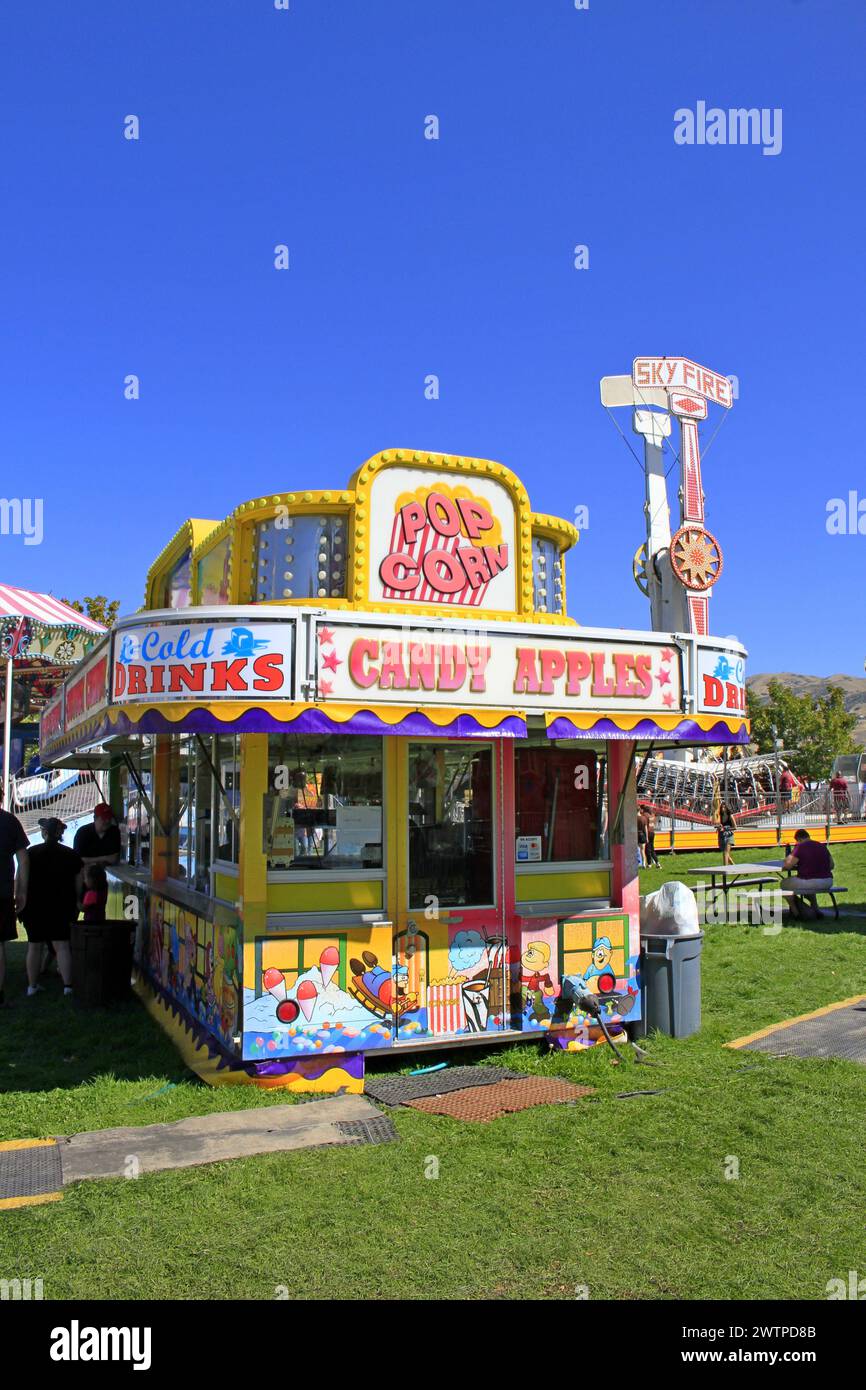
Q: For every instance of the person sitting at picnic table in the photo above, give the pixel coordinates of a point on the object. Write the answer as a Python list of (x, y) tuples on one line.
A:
[(839, 788), (99, 843), (726, 827), (814, 864)]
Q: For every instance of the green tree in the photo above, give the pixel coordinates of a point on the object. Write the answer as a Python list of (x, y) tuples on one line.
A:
[(818, 726), (97, 607)]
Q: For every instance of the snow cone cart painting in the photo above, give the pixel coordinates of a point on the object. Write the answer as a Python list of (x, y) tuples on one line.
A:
[(388, 783)]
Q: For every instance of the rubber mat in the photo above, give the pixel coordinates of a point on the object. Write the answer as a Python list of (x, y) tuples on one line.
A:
[(30, 1172), (503, 1098), (378, 1131), (399, 1090), (838, 1031)]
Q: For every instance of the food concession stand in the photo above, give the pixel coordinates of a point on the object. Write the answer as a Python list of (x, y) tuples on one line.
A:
[(377, 788)]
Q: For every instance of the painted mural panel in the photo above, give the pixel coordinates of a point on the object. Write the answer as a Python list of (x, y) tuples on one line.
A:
[(335, 991), (454, 981), (535, 976), (595, 958), (198, 963), (318, 992)]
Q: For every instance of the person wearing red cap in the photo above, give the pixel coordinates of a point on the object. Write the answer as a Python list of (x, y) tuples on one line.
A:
[(99, 843)]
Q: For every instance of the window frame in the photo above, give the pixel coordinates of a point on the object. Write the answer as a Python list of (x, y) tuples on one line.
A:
[(343, 874), (496, 793)]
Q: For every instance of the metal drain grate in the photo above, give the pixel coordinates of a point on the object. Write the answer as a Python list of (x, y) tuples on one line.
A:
[(378, 1131), (30, 1172), (399, 1090)]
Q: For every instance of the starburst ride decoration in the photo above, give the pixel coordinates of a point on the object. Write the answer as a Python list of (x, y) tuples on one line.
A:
[(696, 558)]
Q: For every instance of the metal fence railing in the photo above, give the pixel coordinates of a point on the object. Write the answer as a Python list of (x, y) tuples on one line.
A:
[(813, 807), (62, 792)]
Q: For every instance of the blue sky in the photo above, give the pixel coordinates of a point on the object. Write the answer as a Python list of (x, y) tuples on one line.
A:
[(454, 257)]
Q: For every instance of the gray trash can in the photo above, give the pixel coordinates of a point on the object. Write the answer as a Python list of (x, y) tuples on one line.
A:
[(670, 967)]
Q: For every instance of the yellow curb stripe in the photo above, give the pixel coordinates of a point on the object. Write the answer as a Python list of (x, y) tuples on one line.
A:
[(8, 1203), (27, 1143), (800, 1018)]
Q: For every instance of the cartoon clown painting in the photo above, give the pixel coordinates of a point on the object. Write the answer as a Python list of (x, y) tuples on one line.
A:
[(535, 983), (601, 968)]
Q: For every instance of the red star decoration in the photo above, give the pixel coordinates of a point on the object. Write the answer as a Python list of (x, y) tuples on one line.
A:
[(331, 662), (325, 687), (668, 699), (667, 654), (664, 677), (325, 635)]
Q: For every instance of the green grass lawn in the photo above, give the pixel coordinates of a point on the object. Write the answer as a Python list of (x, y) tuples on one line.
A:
[(627, 1196)]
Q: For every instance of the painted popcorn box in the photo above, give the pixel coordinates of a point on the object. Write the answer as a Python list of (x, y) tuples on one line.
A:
[(445, 1009), (446, 547)]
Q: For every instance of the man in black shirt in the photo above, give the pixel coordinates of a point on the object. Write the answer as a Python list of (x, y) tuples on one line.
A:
[(99, 843), (13, 887), (53, 895)]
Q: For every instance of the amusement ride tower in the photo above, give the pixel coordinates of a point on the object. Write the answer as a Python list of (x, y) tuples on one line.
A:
[(676, 572)]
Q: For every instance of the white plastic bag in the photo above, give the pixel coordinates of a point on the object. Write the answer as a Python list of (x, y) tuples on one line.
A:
[(671, 911)]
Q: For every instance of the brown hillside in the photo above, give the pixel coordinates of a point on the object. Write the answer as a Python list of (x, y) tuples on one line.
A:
[(853, 689)]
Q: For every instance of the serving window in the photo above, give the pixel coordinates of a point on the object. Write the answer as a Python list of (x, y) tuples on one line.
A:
[(323, 807), (557, 804), (136, 791), (203, 802), (451, 824)]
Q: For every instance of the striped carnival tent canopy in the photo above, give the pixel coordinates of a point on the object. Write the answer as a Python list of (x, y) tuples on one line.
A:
[(42, 610), (40, 638)]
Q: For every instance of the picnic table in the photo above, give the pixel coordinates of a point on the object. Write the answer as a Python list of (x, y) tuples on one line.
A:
[(741, 876)]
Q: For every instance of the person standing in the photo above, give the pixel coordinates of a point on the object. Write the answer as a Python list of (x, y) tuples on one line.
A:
[(642, 820), (786, 789), (52, 903), (841, 801), (95, 893), (13, 885), (726, 827), (99, 843), (650, 852)]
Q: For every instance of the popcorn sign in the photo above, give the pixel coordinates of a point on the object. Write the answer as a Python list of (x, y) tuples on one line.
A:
[(446, 543)]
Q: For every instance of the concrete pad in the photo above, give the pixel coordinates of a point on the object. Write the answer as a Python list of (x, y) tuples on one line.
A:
[(111, 1153)]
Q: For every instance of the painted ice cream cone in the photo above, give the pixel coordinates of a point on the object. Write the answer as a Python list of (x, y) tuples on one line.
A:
[(274, 982), (329, 960), (306, 997)]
